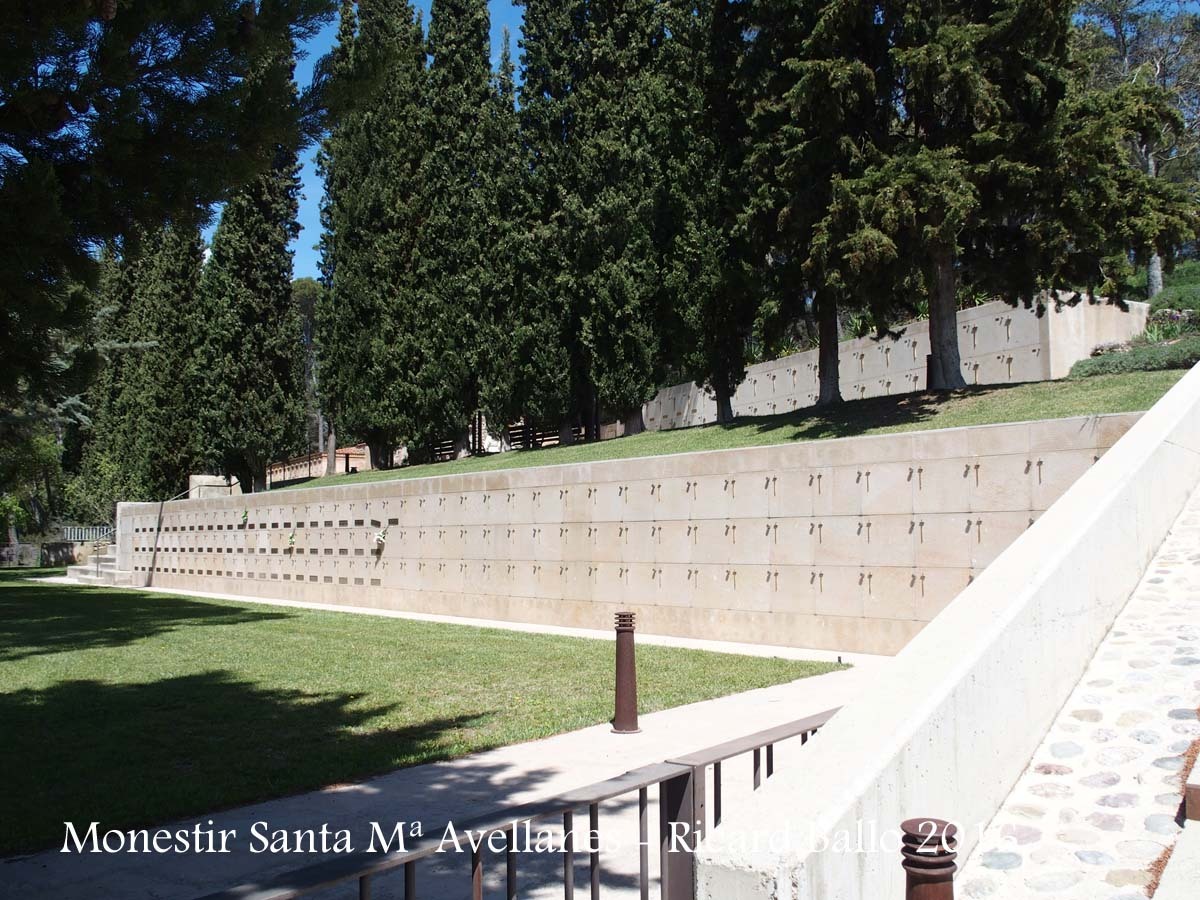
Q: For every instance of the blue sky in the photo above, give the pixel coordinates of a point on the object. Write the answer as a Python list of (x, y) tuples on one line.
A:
[(503, 14)]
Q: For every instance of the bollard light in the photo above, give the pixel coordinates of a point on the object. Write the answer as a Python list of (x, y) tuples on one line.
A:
[(625, 718), (929, 849)]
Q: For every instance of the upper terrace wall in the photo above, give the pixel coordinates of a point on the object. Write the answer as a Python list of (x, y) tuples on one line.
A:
[(999, 344), (850, 544)]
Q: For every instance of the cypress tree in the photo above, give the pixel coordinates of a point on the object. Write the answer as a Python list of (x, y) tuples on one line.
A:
[(708, 307), (144, 441), (367, 326), (452, 309), (253, 398), (547, 364)]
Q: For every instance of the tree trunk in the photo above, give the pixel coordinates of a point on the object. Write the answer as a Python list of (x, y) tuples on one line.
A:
[(566, 434), (724, 402), (462, 444), (635, 423), (382, 453), (828, 328), (945, 370), (330, 451), (1154, 276), (245, 478), (260, 479)]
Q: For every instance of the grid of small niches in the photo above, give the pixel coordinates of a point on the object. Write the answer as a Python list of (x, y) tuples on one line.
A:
[(142, 534)]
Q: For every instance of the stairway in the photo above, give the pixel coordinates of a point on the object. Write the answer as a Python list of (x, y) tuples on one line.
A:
[(101, 569)]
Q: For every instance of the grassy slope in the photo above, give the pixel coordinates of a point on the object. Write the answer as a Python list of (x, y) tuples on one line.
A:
[(910, 412), (135, 708)]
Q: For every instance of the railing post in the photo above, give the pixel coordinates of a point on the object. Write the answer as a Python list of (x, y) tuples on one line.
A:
[(677, 821), (929, 850), (625, 718)]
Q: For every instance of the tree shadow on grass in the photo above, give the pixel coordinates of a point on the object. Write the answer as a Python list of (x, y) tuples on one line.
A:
[(855, 417), (161, 754), (132, 755), (38, 618)]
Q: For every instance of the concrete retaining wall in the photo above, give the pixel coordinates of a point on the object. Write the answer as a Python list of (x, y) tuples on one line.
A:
[(849, 544), (967, 702), (999, 344)]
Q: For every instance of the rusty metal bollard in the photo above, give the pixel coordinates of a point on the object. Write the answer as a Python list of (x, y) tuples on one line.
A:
[(929, 849), (625, 719)]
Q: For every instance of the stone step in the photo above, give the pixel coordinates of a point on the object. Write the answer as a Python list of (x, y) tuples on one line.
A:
[(110, 577)]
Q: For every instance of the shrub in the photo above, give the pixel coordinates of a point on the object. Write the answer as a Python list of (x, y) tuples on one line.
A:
[(1181, 354)]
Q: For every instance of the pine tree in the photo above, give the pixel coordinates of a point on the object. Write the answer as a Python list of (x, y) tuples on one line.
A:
[(253, 397), (367, 325), (813, 72), (117, 116)]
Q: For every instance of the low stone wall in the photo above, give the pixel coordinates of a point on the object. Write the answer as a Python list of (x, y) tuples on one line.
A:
[(999, 344), (967, 702), (849, 544)]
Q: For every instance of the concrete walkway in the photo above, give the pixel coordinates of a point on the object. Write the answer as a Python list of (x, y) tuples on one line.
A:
[(440, 792), (1100, 799)]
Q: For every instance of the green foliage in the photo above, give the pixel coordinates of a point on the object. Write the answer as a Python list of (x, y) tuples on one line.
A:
[(115, 115), (142, 442), (1179, 354), (368, 318), (1182, 289), (251, 397)]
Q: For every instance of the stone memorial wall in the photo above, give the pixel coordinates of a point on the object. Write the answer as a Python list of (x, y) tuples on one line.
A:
[(850, 544), (999, 344)]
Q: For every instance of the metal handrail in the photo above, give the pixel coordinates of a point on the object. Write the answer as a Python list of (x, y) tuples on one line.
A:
[(681, 783)]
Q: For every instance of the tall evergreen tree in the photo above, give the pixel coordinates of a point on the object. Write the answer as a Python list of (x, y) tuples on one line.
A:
[(510, 373), (708, 307), (367, 322), (817, 75), (253, 398), (143, 441), (553, 61), (452, 308)]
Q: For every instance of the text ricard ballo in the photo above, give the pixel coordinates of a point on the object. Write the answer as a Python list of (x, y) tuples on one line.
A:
[(389, 837)]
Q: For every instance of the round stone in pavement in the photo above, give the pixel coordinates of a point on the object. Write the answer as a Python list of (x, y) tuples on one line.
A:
[(1000, 859), (1060, 791), (1117, 756), (1054, 881), (1087, 715), (1161, 824), (1094, 857), (980, 887), (1142, 736), (1065, 749), (1140, 851), (1021, 834), (1100, 779), (1052, 769), (1170, 763), (1117, 801), (1185, 714)]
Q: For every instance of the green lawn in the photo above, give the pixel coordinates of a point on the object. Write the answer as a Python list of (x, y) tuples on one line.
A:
[(134, 708), (909, 412)]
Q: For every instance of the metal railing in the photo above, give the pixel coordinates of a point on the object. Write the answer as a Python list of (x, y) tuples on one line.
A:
[(682, 817), (81, 534)]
